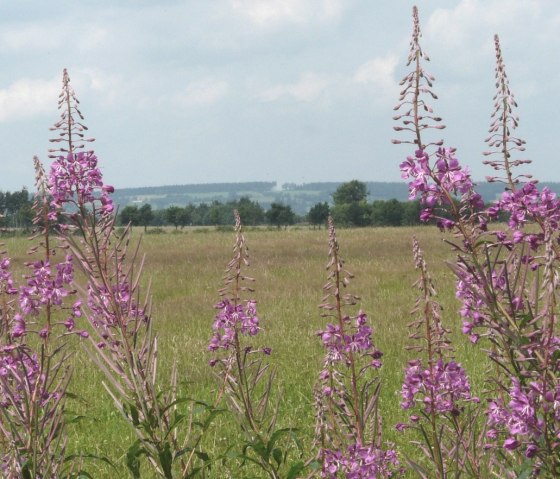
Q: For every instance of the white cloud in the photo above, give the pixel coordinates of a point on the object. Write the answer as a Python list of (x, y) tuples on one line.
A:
[(27, 98), (376, 75), (309, 88), (93, 37), (463, 35), (271, 13), (47, 37), (379, 72), (203, 92), (110, 88), (471, 21), (31, 37)]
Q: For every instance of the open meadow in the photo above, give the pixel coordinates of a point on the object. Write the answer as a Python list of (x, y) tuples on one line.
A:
[(186, 270), (294, 352)]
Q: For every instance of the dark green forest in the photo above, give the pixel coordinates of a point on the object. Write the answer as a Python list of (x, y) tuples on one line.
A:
[(15, 209), (353, 203), (350, 204), (300, 197)]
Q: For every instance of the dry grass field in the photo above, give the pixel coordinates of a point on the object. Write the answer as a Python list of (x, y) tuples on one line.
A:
[(186, 271)]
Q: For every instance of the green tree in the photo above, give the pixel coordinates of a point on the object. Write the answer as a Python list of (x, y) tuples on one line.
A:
[(280, 215), (216, 213), (15, 209), (251, 212), (318, 214), (173, 215), (200, 214), (350, 204), (186, 216), (130, 215), (145, 215), (352, 214), (24, 217), (351, 192), (411, 213), (387, 213), (159, 217)]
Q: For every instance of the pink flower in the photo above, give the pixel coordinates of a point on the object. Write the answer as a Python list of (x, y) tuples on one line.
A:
[(76, 178)]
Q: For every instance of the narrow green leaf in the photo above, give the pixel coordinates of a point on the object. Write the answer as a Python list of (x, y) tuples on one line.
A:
[(259, 448), (295, 470), (277, 435), (134, 414), (132, 459), (277, 455), (166, 461), (82, 475)]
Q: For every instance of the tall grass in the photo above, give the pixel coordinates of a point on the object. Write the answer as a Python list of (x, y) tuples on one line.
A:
[(506, 280), (186, 270)]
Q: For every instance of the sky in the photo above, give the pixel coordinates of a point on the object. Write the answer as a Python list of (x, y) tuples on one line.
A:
[(299, 91)]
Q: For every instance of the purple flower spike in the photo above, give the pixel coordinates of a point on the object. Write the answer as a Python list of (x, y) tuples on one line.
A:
[(441, 389), (360, 462), (357, 339), (232, 320), (19, 328), (76, 178), (511, 444)]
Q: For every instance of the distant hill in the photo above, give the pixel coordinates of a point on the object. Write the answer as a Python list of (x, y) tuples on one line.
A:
[(301, 197)]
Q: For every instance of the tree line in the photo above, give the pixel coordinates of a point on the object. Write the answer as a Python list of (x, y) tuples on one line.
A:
[(350, 208), (15, 209), (215, 213)]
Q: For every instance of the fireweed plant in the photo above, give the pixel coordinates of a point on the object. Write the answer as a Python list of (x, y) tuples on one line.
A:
[(121, 341), (506, 283), (437, 392), (507, 280), (245, 377), (38, 317), (348, 426)]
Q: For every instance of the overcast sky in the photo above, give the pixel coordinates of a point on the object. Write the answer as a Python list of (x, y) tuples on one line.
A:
[(205, 91)]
